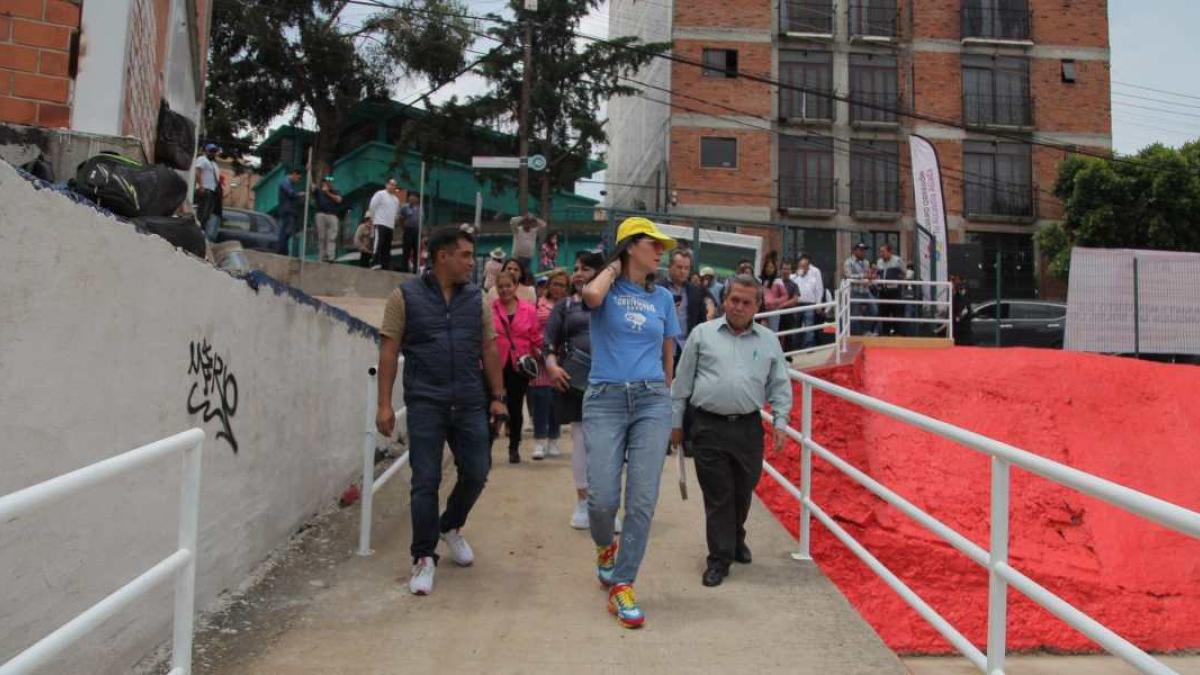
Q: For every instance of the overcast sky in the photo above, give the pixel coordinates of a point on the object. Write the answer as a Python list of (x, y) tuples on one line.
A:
[(1154, 47)]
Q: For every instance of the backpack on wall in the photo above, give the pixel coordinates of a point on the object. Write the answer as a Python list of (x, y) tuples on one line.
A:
[(129, 188)]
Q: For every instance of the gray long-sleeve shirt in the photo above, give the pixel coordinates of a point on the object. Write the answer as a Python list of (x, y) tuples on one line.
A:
[(730, 374)]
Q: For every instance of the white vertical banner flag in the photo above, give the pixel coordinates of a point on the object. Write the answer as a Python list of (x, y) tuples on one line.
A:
[(930, 209)]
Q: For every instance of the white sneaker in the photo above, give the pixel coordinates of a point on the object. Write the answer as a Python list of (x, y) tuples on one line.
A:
[(552, 448), (579, 519), (616, 523), (539, 450), (460, 550), (421, 581)]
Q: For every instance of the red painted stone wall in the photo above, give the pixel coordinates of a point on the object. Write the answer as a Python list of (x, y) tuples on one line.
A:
[(1128, 421)]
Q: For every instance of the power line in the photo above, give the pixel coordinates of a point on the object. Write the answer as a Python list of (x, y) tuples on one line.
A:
[(1157, 91), (782, 85)]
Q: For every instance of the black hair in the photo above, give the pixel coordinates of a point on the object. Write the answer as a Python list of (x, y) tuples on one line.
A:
[(294, 169), (622, 254), (526, 278), (804, 256), (590, 260), (446, 238)]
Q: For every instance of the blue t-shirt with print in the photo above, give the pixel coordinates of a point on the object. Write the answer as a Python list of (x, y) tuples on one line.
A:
[(628, 330)]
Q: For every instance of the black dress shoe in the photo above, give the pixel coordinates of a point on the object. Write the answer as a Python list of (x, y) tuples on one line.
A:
[(742, 555), (714, 575), (514, 457)]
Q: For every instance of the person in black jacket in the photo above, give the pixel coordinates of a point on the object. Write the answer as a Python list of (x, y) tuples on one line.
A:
[(689, 309)]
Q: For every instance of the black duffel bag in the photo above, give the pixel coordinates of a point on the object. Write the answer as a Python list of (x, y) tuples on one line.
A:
[(181, 232), (176, 139), (129, 188)]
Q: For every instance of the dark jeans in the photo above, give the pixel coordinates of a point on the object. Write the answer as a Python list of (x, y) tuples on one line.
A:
[(728, 457), (411, 244), (465, 430), (890, 310), (545, 421), (206, 206), (287, 227), (515, 386), (383, 248)]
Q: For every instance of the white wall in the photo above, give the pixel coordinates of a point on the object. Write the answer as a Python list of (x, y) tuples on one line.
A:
[(639, 133), (100, 84), (96, 323)]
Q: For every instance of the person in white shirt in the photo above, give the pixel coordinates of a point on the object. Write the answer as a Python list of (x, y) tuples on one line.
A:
[(808, 281), (525, 231), (207, 194), (384, 207)]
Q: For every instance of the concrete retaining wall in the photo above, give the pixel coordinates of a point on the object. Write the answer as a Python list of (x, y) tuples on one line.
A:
[(108, 340), (327, 279)]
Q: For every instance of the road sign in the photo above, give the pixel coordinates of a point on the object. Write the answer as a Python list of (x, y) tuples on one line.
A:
[(495, 162), (537, 163)]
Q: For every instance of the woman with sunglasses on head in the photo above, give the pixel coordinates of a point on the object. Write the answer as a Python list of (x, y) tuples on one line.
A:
[(627, 406), (568, 348)]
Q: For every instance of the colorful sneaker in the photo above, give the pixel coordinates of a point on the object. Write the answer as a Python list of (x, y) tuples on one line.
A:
[(421, 581), (606, 563), (623, 604)]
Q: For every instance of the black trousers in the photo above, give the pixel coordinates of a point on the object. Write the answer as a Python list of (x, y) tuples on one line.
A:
[(515, 387), (383, 248), (411, 255), (728, 455)]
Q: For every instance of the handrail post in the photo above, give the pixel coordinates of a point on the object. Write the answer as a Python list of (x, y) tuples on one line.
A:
[(997, 586), (805, 471), (185, 578), (368, 465)]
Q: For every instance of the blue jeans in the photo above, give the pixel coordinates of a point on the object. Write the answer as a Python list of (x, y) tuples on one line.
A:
[(858, 327), (626, 424), (430, 427), (808, 318), (545, 424)]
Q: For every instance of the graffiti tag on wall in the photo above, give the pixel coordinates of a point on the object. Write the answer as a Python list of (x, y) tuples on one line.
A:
[(214, 392)]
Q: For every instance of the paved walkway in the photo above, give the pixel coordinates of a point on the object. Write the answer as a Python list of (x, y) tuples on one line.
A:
[(532, 604)]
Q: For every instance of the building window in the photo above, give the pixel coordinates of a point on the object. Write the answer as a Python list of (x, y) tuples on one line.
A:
[(720, 63), (997, 179), (876, 18), (995, 19), (1068, 71), (718, 153), (873, 88), (875, 176), (807, 16), (806, 173), (996, 91), (811, 72)]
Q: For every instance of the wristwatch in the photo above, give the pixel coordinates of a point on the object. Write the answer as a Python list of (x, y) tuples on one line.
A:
[(499, 398)]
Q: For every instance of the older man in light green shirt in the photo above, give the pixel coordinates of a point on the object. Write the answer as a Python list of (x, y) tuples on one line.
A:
[(730, 367)]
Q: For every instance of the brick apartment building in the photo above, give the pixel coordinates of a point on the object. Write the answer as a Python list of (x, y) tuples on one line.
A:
[(1022, 82), (77, 76)]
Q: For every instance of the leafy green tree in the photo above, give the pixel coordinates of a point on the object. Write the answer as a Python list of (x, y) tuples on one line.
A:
[(572, 78), (1150, 202), (302, 56)]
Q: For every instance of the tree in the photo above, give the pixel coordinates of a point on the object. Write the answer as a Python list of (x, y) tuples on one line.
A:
[(571, 79), (301, 56), (1149, 201)]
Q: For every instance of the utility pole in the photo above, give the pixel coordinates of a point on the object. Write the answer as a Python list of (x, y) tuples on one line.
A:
[(523, 123)]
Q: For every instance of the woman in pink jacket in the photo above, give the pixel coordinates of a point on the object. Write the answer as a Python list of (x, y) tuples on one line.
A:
[(517, 334)]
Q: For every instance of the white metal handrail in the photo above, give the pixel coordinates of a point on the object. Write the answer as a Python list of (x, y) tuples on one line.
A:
[(181, 564), (371, 484), (940, 314), (1001, 574)]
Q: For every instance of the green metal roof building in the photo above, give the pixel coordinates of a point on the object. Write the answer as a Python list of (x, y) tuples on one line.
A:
[(367, 156)]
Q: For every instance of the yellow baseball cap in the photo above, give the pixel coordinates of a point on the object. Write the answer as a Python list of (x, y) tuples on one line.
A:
[(633, 226)]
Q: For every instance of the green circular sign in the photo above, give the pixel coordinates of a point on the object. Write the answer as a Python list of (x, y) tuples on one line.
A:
[(537, 162)]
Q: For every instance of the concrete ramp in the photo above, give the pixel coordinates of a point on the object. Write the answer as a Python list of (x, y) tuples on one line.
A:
[(531, 603)]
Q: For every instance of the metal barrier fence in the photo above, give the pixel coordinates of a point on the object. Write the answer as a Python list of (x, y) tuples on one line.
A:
[(1001, 574), (932, 307), (824, 306), (181, 564), (371, 484)]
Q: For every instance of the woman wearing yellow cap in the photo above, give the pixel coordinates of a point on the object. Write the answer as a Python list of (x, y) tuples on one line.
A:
[(627, 406)]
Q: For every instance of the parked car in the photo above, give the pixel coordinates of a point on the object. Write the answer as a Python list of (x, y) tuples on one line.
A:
[(255, 230), (1023, 323)]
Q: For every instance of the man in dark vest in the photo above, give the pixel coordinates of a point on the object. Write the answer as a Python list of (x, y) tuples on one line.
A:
[(444, 328)]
